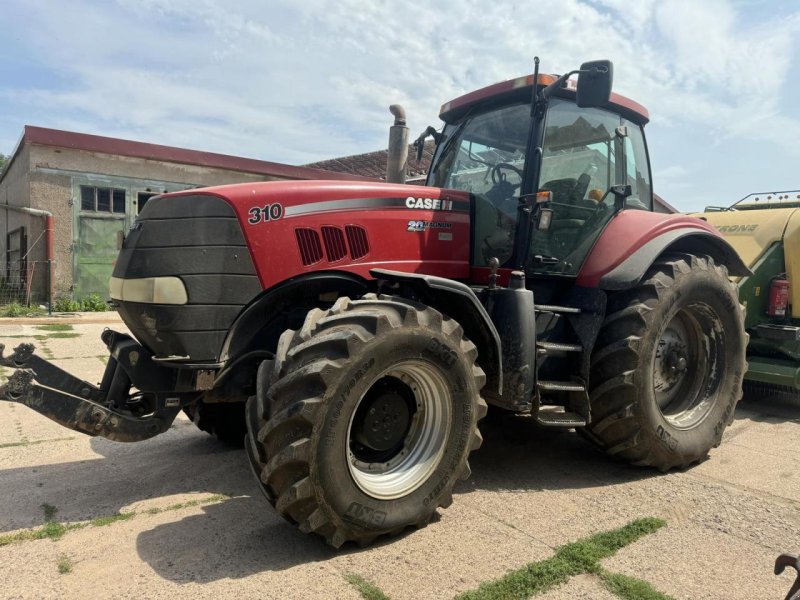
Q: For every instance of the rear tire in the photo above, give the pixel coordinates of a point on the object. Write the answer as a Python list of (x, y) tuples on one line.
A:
[(363, 424), (668, 365), (225, 420)]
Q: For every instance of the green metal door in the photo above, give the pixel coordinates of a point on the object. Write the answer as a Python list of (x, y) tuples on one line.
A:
[(101, 219), (96, 251)]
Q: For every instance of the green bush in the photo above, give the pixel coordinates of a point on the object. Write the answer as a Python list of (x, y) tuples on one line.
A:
[(66, 304), (94, 303), (15, 309)]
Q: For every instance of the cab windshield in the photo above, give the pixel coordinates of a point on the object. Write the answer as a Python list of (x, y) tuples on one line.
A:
[(485, 155), (585, 151)]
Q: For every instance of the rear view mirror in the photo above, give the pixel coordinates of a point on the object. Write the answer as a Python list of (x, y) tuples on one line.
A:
[(595, 79)]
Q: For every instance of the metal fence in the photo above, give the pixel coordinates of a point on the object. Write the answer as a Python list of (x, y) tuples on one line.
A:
[(23, 281)]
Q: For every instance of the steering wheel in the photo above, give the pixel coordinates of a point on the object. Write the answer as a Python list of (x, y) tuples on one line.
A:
[(496, 177)]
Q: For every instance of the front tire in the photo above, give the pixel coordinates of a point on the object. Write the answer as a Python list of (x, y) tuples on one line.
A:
[(364, 423), (668, 365)]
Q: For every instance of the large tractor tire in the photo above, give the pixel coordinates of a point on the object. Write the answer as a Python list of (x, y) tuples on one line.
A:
[(225, 420), (364, 422), (668, 365)]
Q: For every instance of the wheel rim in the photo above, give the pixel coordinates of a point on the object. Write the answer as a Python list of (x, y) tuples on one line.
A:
[(688, 365), (398, 432)]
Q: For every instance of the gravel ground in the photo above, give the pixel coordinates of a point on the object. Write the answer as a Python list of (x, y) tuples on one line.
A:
[(531, 490)]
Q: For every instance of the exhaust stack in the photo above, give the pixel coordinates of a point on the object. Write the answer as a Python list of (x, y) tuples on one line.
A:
[(397, 159)]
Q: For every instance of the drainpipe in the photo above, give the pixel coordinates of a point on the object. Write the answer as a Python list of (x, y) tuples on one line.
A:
[(397, 159), (49, 227)]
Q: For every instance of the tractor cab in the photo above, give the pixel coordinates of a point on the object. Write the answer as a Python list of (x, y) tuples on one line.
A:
[(546, 175)]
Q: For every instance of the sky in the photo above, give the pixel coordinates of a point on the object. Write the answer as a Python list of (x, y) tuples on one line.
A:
[(299, 81)]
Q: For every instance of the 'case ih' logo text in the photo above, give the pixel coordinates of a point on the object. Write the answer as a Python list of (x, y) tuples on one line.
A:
[(429, 203)]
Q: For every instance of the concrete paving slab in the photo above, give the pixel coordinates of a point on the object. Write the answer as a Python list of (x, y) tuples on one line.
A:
[(531, 491), (581, 587), (697, 563)]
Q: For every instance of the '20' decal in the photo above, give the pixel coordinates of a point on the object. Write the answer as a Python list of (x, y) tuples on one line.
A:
[(269, 212)]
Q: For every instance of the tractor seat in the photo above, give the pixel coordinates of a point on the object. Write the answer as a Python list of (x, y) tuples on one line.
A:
[(562, 189)]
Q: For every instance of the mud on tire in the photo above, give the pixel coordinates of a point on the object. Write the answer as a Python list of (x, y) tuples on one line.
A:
[(668, 365), (363, 423)]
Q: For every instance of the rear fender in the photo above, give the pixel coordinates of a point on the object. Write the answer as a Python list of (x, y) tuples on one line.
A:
[(458, 301), (634, 240)]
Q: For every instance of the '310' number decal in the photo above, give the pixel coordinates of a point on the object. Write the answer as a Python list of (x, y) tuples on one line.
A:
[(270, 212)]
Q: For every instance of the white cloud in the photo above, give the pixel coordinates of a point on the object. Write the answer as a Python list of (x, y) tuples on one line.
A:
[(297, 82)]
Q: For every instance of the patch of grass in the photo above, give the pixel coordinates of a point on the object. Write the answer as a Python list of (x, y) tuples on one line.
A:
[(63, 334), (103, 359), (55, 327), (34, 442), (49, 511), (54, 530), (215, 498), (64, 564), (630, 588), (572, 559), (108, 520), (367, 589)]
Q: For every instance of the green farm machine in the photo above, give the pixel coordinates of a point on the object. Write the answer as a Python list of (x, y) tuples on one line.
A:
[(764, 228)]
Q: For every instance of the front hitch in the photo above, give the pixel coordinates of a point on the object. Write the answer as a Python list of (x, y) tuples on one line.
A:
[(80, 405)]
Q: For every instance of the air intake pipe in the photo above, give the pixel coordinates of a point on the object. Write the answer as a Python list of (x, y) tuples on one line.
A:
[(397, 158)]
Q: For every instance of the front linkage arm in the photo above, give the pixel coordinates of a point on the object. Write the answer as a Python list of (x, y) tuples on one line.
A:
[(77, 404)]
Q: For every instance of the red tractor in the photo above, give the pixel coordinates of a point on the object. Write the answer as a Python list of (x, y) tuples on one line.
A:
[(352, 334)]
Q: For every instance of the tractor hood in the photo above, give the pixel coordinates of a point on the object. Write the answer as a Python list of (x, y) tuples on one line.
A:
[(194, 259), (294, 227)]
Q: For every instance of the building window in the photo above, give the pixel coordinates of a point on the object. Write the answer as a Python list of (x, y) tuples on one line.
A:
[(102, 199), (142, 198)]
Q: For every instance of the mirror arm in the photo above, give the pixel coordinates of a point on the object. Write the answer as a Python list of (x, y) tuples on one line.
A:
[(419, 143)]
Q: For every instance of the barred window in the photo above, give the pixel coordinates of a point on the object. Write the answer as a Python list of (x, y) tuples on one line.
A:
[(102, 199)]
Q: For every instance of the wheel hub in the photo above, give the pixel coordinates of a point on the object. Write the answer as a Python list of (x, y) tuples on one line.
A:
[(686, 359), (384, 417), (399, 431)]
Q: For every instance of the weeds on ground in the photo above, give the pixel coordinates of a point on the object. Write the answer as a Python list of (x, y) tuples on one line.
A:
[(92, 303), (55, 327), (54, 530), (367, 589), (572, 559), (64, 564), (66, 304), (15, 309)]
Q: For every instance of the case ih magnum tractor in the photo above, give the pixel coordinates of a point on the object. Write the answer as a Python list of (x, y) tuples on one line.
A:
[(353, 333)]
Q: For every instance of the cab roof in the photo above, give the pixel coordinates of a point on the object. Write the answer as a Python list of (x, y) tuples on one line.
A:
[(521, 88)]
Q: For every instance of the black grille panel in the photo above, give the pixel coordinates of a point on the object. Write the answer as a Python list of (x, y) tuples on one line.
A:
[(335, 248), (357, 241), (309, 244), (198, 239)]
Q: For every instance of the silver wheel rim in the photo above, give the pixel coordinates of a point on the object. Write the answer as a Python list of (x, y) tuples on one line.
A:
[(687, 365), (424, 443)]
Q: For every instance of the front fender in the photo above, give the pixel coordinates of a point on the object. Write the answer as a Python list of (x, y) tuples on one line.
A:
[(458, 301), (634, 239)]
